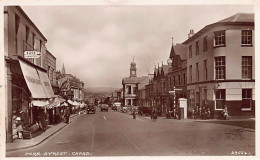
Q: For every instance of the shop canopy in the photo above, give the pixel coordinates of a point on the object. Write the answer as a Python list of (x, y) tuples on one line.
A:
[(73, 103), (37, 81), (46, 84), (33, 81), (55, 102)]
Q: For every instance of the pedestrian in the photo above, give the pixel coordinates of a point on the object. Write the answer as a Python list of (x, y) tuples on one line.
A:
[(42, 118), (225, 113), (134, 116), (197, 112), (67, 115), (154, 116), (208, 113), (203, 113)]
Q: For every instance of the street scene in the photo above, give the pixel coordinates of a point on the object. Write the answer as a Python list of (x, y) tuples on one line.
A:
[(93, 81)]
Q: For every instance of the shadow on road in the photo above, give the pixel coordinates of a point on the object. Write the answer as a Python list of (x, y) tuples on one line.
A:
[(244, 124)]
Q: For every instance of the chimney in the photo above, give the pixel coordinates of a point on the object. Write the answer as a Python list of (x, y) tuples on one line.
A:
[(191, 33)]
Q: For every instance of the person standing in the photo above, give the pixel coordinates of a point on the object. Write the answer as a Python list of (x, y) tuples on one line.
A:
[(67, 115), (154, 116), (134, 116)]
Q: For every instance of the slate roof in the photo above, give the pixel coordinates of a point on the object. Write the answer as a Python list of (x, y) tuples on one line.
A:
[(180, 49), (239, 17)]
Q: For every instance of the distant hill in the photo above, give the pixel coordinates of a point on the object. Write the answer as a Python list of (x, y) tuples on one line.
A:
[(100, 89)]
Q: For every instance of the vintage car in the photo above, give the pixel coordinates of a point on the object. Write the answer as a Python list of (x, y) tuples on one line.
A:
[(91, 108), (104, 107)]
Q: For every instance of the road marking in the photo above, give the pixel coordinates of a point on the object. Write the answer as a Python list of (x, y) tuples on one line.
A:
[(136, 147), (104, 118), (93, 138)]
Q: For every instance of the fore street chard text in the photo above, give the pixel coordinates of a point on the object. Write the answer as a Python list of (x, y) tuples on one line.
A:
[(60, 154)]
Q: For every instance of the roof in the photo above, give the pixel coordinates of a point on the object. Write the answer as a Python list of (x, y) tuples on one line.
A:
[(143, 83), (134, 79), (180, 49), (165, 69), (237, 19), (172, 53)]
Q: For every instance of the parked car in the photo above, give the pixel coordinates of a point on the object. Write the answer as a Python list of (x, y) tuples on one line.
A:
[(91, 108), (104, 107)]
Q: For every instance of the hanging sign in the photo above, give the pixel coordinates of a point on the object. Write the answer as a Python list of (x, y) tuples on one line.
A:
[(32, 54)]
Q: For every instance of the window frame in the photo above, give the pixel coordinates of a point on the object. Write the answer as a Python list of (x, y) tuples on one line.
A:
[(206, 69), (216, 67), (190, 51), (190, 73), (246, 38), (247, 66), (220, 40), (221, 98), (197, 48), (247, 98), (197, 72), (205, 44)]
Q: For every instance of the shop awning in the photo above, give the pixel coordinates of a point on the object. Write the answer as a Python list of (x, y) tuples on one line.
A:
[(40, 103), (46, 84), (55, 102), (33, 81)]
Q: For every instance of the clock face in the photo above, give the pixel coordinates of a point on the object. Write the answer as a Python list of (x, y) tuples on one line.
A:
[(133, 72)]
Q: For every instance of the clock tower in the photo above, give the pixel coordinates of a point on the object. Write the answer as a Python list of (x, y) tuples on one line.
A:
[(133, 69)]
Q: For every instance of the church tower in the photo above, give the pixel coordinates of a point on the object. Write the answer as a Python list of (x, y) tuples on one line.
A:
[(63, 70), (133, 69)]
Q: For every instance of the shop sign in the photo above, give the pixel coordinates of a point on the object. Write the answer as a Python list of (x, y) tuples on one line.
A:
[(32, 54)]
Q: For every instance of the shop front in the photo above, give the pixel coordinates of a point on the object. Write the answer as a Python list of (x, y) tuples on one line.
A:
[(31, 93)]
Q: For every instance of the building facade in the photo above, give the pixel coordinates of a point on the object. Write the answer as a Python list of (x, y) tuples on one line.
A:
[(160, 89), (130, 86), (50, 66), (220, 66), (176, 77), (28, 88)]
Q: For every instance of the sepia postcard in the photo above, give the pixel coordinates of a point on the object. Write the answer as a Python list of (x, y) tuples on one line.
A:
[(129, 80)]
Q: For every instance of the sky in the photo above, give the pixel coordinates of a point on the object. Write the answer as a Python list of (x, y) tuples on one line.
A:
[(98, 43)]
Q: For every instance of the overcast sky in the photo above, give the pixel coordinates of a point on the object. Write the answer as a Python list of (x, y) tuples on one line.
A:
[(97, 43)]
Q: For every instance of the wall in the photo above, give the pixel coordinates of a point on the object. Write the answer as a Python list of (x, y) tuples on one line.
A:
[(21, 36)]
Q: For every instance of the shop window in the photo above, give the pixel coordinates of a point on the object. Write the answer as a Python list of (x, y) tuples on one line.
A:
[(220, 98), (246, 38), (246, 99), (220, 39)]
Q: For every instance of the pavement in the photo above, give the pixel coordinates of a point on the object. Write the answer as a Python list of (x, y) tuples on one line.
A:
[(21, 144), (38, 137)]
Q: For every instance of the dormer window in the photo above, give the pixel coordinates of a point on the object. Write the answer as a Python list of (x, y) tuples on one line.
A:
[(220, 39)]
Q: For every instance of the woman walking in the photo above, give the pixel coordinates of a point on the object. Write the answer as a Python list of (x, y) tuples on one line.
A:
[(154, 116)]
